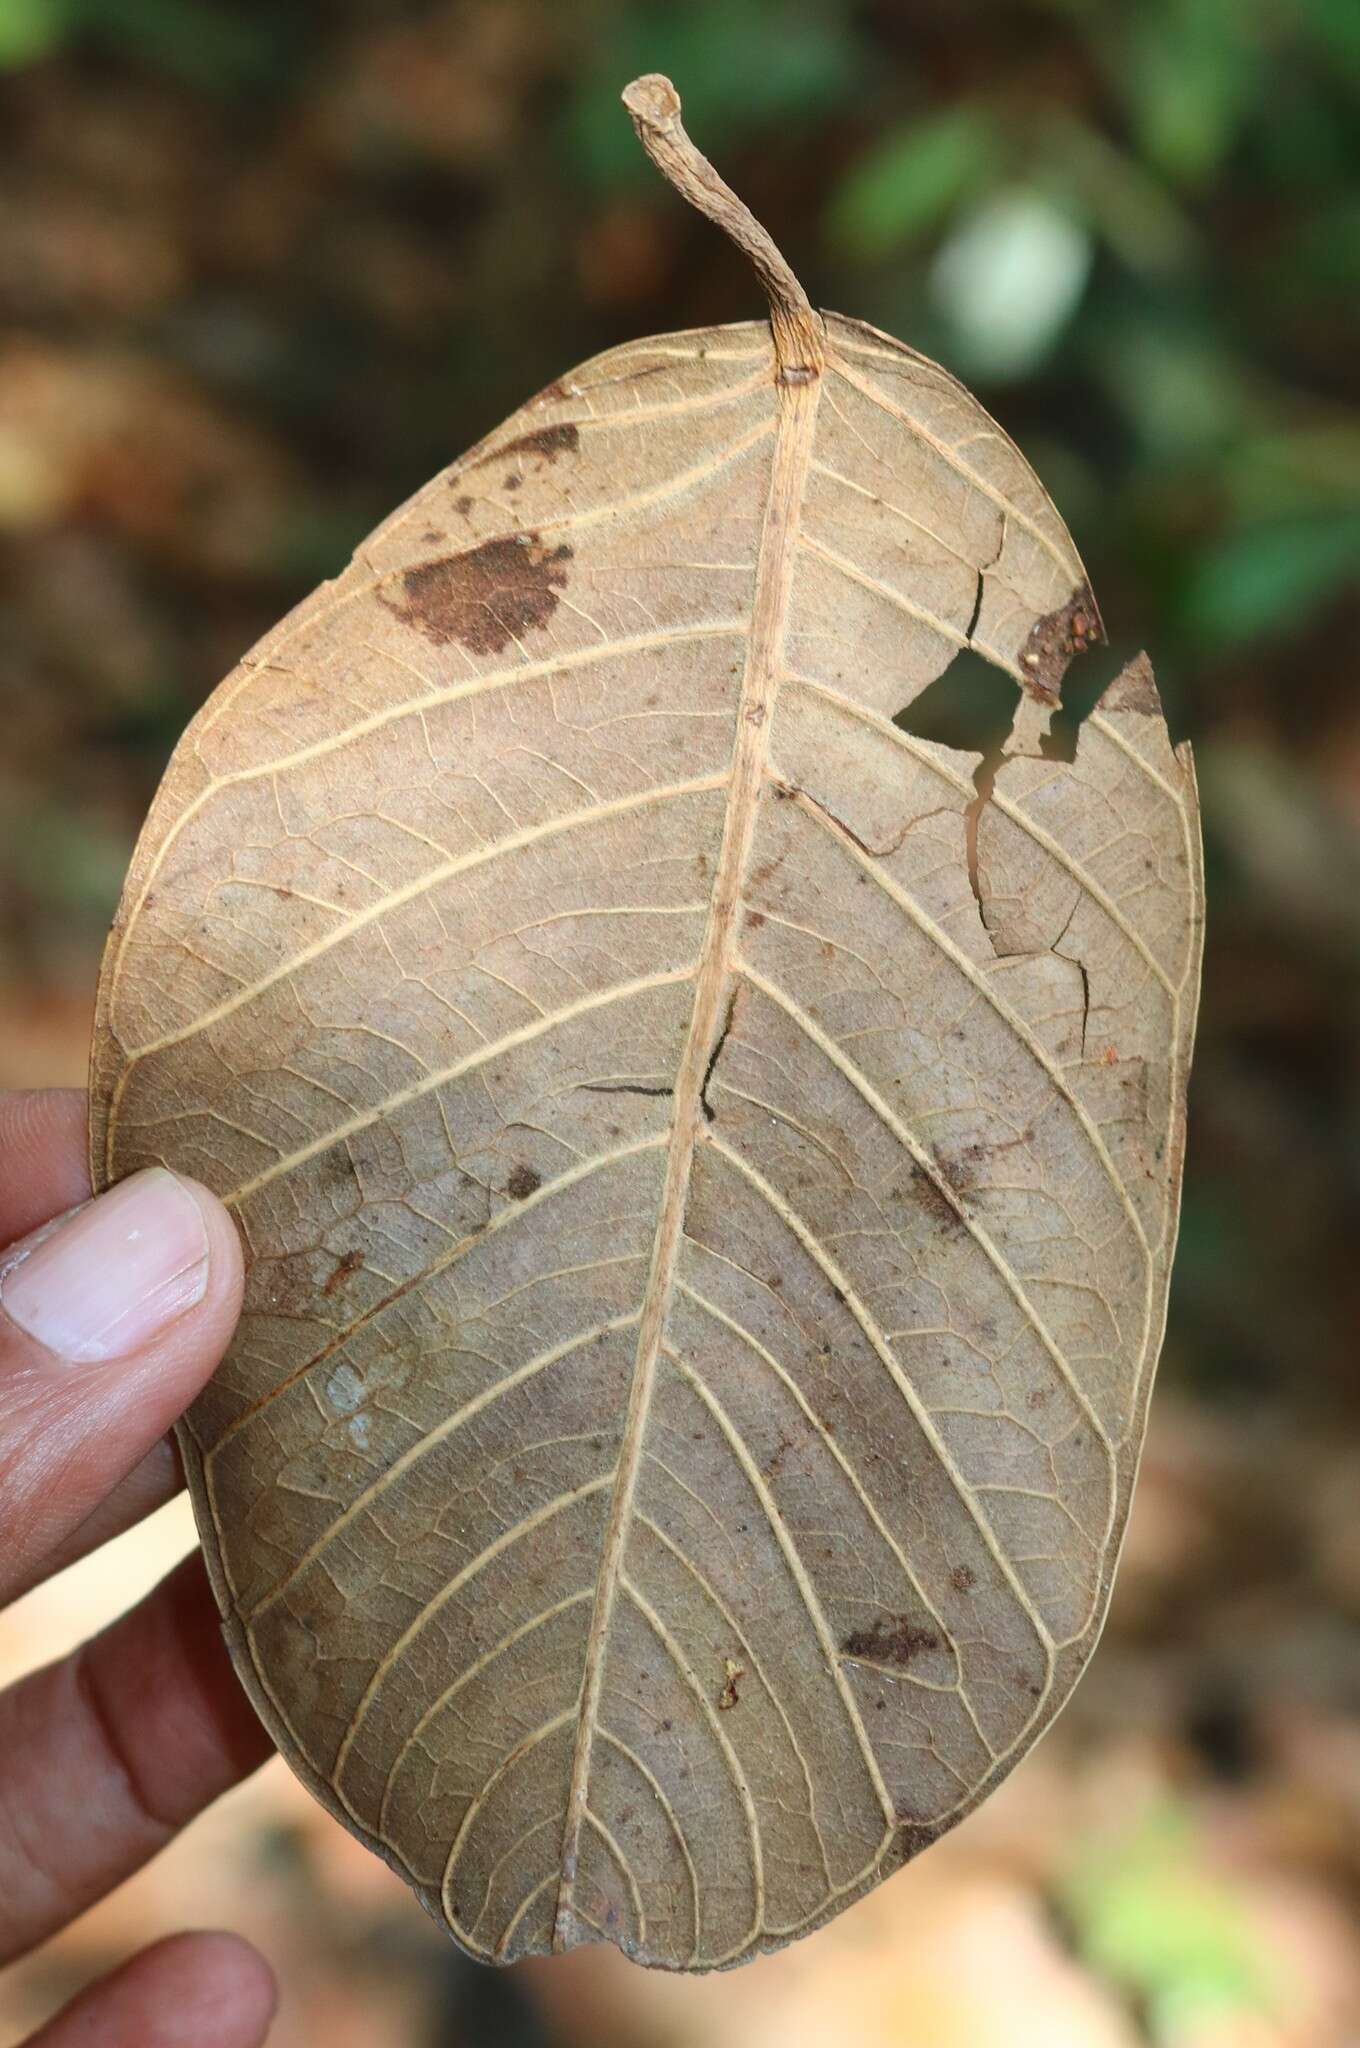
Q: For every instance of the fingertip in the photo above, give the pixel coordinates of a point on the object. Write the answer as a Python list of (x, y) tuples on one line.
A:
[(224, 1992), (153, 1258), (43, 1146), (112, 1319), (195, 1990), (226, 1263)]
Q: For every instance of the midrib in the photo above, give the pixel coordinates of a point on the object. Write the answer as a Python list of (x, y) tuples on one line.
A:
[(769, 612)]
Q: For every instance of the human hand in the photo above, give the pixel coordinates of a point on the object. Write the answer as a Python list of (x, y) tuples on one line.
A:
[(111, 1319)]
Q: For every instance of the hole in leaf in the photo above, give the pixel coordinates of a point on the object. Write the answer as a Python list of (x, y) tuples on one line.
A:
[(1086, 681), (970, 707)]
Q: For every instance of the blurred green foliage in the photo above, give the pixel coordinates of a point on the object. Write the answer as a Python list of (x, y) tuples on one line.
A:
[(268, 266), (1148, 1918), (910, 180), (745, 69)]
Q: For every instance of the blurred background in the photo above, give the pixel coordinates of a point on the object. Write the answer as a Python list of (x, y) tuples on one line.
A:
[(264, 269)]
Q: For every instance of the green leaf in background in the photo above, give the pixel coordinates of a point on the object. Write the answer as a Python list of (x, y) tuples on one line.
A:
[(30, 29), (746, 65), (1190, 73), (1312, 468), (1164, 366), (1328, 247), (1146, 1915), (213, 47), (1123, 201), (1267, 577), (1336, 24), (909, 180)]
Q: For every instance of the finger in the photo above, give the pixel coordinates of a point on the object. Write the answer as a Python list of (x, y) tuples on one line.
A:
[(192, 1991), (157, 1478), (44, 1163), (111, 1319), (108, 1753)]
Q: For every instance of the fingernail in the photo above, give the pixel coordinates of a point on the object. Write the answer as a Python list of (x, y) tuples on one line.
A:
[(106, 1279)]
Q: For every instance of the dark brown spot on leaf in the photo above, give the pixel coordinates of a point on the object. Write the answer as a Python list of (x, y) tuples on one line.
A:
[(1055, 639), (549, 442), (963, 1578), (893, 1639), (523, 1182), (485, 596)]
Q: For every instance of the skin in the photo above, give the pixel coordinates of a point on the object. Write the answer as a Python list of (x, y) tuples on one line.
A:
[(106, 1754)]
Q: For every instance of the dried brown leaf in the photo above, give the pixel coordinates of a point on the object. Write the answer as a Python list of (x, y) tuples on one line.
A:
[(709, 1177)]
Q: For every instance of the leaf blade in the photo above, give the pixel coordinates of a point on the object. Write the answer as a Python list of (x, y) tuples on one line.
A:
[(708, 1230)]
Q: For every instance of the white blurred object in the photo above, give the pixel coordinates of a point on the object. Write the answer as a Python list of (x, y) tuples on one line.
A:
[(53, 1618), (1009, 279)]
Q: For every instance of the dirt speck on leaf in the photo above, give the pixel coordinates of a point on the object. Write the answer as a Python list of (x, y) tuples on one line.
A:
[(484, 596), (345, 1266), (729, 1696), (930, 1193), (774, 1464)]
